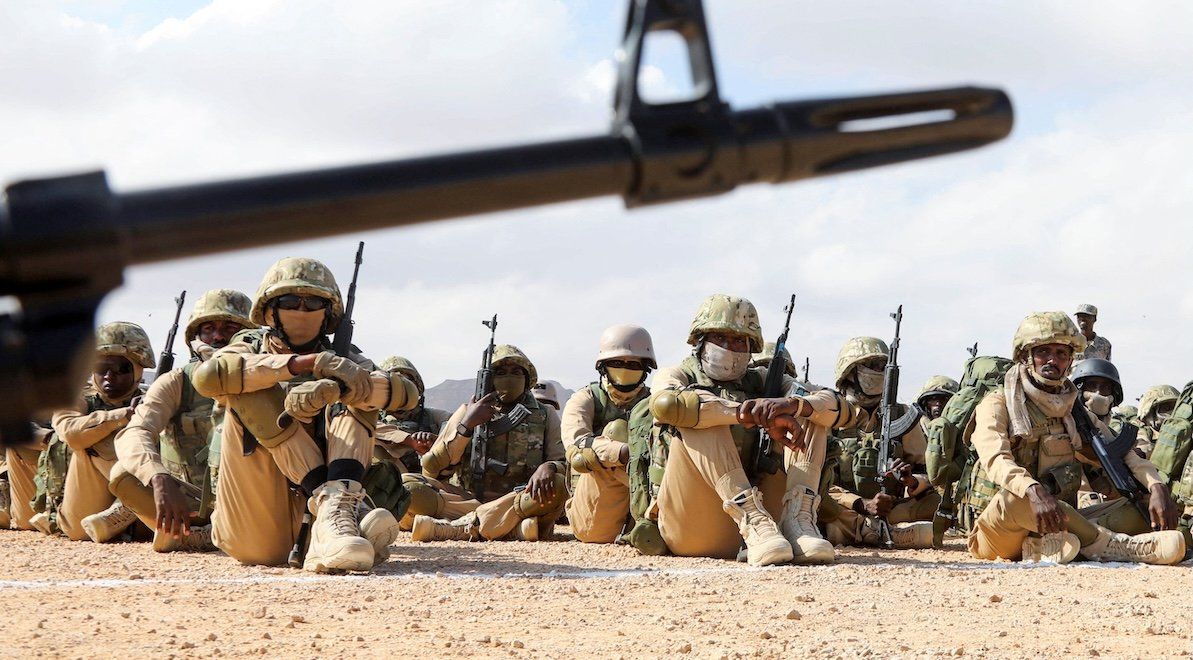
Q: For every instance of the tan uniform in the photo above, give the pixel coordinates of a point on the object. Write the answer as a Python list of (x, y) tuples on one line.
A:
[(1007, 463), (91, 437), (842, 523), (22, 470), (258, 513), (705, 467), (501, 511), (600, 501), (392, 432)]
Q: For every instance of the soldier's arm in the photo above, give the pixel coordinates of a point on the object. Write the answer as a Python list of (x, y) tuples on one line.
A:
[(447, 452), (553, 451), (81, 430), (137, 445), (844, 497), (1143, 469), (991, 439), (576, 423), (829, 409), (236, 369), (915, 439), (391, 392), (682, 408)]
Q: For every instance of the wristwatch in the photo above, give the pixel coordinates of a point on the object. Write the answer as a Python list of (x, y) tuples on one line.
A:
[(463, 430)]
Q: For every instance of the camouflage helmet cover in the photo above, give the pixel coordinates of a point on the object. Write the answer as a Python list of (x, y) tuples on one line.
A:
[(622, 341), (406, 368), (728, 314), (767, 355), (1154, 396), (855, 351), (1127, 411), (1042, 328), (219, 305), (299, 275), (126, 340), (510, 353), (1090, 367), (938, 385)]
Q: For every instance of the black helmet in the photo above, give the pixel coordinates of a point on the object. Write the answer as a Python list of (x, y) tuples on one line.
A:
[(1098, 367)]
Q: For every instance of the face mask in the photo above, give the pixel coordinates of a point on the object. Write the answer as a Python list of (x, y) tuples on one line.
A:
[(626, 380), (1097, 403), (201, 350), (722, 364), (1158, 419), (300, 327), (510, 388), (869, 381)]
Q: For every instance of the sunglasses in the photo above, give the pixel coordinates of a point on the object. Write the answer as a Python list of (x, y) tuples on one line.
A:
[(291, 302), (623, 364)]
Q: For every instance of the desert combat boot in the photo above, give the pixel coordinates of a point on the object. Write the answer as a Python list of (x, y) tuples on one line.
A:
[(336, 543), (108, 524), (798, 525), (765, 546)]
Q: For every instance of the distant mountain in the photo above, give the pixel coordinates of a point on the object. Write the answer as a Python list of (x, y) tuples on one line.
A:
[(450, 394)]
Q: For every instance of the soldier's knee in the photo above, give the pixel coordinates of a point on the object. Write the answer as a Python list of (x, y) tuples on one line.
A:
[(424, 499), (129, 490), (528, 507)]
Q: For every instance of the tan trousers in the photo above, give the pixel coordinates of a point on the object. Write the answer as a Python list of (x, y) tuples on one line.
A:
[(703, 471), (599, 505), (999, 532), (22, 468), (86, 493), (435, 498), (846, 528), (139, 497), (501, 516)]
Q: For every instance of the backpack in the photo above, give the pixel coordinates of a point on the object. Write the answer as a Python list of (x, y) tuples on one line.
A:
[(1173, 442), (947, 452)]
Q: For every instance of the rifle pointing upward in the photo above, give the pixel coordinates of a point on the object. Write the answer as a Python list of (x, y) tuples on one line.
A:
[(764, 460), (480, 462), (165, 362), (892, 429)]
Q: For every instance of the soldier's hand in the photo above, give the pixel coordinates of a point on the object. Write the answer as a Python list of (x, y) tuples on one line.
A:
[(132, 407), (420, 441), (306, 400), (355, 379), (762, 412), (1050, 517), (902, 471), (480, 412), (1163, 510), (542, 483), (174, 514), (787, 431), (880, 505)]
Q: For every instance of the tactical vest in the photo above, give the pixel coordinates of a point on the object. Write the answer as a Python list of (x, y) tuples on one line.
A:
[(605, 411), (856, 454), (1046, 453), (522, 450), (186, 439)]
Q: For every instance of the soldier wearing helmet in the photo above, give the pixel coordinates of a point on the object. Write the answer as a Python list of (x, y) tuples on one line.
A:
[(935, 395), (123, 352), (284, 386), (1100, 386), (857, 509), (165, 472), (1023, 489), (595, 431), (1096, 346), (546, 393), (707, 411), (525, 487), (404, 436), (1155, 407)]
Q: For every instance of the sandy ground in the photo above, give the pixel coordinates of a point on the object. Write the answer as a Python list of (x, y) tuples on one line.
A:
[(66, 599)]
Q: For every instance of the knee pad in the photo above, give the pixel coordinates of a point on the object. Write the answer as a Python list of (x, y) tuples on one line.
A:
[(646, 538), (584, 460), (436, 461), (676, 408), (424, 500), (528, 507)]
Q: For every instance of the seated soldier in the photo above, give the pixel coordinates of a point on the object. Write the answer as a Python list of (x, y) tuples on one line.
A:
[(546, 393), (169, 488), (1023, 489), (523, 489), (1155, 407), (403, 437), (20, 487)]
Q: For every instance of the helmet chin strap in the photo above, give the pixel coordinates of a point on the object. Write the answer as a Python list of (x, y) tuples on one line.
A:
[(297, 348)]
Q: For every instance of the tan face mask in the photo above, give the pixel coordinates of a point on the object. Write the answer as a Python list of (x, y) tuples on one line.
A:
[(624, 377), (301, 327), (869, 381), (1098, 404), (510, 388)]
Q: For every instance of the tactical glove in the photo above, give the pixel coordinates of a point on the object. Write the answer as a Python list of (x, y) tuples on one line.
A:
[(355, 379), (306, 400)]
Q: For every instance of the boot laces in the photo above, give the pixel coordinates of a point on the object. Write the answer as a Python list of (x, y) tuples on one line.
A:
[(343, 513), (119, 514), (1130, 546)]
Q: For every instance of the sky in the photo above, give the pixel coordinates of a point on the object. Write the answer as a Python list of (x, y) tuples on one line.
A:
[(1089, 200)]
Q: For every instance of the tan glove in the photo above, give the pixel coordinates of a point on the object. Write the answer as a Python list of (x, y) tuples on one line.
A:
[(305, 400), (355, 379)]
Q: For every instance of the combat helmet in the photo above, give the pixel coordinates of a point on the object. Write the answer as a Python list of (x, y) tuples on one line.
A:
[(511, 353), (856, 351), (1090, 367), (300, 275), (1042, 328), (937, 385), (219, 305), (622, 341), (406, 368), (545, 392), (764, 358), (730, 314), (1154, 396), (127, 340)]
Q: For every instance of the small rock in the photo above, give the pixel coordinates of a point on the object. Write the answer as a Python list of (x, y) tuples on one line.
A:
[(187, 645), (134, 576), (996, 598), (259, 613), (794, 615), (1094, 653), (766, 635), (805, 599), (294, 618), (266, 636), (686, 648), (485, 640), (359, 638), (958, 652), (125, 615), (211, 637), (518, 645)]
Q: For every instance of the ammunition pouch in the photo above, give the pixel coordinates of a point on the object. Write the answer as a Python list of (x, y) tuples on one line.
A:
[(383, 483), (646, 538), (1063, 481)]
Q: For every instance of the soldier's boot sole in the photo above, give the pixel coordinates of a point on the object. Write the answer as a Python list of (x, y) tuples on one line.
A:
[(381, 529), (352, 554), (812, 551), (41, 523), (1057, 548), (199, 540)]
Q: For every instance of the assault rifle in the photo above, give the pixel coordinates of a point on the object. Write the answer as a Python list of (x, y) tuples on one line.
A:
[(892, 429), (342, 345), (765, 462), (481, 435), (165, 362), (64, 242), (1110, 454), (807, 362)]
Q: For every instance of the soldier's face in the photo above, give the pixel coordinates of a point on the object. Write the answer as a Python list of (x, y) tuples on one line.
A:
[(934, 405), (1086, 323), (217, 334), (735, 343), (115, 376), (1097, 385), (1052, 361)]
